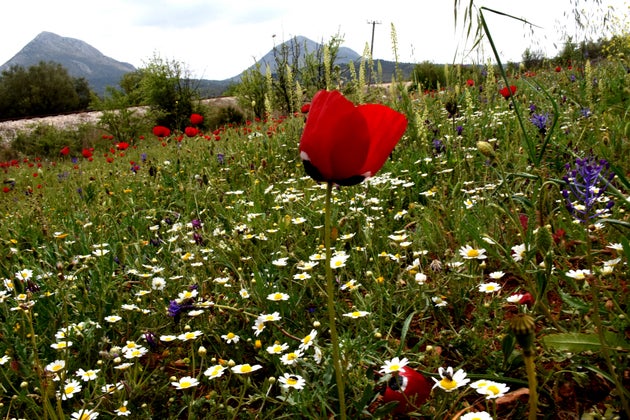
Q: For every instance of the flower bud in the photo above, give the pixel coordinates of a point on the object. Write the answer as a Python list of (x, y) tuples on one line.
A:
[(523, 327), (486, 149), (544, 240)]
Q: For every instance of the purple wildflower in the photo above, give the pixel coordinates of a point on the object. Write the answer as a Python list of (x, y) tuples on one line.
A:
[(151, 340), (438, 146), (220, 158), (540, 121), (585, 187)]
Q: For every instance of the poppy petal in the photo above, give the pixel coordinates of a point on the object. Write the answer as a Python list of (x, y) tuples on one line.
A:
[(336, 137), (386, 127)]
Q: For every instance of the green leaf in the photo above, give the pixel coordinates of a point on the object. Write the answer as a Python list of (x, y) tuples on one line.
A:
[(405, 329), (575, 303), (579, 342)]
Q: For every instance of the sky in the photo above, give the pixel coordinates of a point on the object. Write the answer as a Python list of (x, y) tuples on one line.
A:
[(219, 39)]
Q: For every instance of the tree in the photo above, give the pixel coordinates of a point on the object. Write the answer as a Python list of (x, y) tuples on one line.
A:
[(167, 88), (43, 89)]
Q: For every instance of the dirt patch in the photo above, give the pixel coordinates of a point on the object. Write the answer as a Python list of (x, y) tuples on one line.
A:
[(10, 129)]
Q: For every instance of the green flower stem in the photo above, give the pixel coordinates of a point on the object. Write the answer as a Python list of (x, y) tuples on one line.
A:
[(530, 368), (330, 291), (601, 333)]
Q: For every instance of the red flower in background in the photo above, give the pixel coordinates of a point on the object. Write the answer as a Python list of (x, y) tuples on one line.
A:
[(409, 388), (470, 82), (191, 131), (122, 145), (507, 92), (305, 108), (64, 151), (558, 69), (196, 119), (87, 153), (343, 143), (161, 131)]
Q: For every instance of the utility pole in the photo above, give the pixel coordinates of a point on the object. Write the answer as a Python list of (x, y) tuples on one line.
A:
[(373, 23)]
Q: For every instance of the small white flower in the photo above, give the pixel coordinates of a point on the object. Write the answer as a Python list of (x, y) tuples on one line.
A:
[(394, 365), (308, 340), (496, 275), (289, 380), (356, 314), (578, 274), (214, 371), (338, 261), (450, 381), (185, 382), (490, 287), (230, 338), (246, 368)]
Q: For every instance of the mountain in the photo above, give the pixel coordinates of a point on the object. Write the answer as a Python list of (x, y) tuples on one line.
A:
[(78, 57), (300, 46)]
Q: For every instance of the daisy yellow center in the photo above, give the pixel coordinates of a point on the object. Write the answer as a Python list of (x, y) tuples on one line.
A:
[(292, 380), (69, 389), (292, 356), (277, 296), (123, 409), (447, 383), (84, 416), (307, 339), (394, 367), (246, 368), (230, 336), (57, 368), (185, 384), (356, 314), (190, 335), (338, 263), (579, 276), (493, 389), (472, 253)]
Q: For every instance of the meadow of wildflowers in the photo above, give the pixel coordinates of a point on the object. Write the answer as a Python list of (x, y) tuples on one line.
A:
[(182, 275)]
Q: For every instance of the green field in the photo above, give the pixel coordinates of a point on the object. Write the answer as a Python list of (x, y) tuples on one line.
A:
[(184, 277)]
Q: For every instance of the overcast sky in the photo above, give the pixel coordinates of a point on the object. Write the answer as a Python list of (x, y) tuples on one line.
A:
[(220, 38)]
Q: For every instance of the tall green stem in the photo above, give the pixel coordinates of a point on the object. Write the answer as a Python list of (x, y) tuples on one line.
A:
[(330, 292), (530, 368)]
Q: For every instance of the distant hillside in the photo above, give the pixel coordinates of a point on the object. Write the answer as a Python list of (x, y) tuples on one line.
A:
[(78, 57), (83, 60)]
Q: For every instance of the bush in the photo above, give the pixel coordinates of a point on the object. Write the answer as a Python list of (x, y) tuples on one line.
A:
[(47, 141)]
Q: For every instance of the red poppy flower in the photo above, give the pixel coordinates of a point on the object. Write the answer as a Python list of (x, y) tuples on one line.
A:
[(87, 153), (507, 92), (161, 131), (196, 119), (410, 388), (305, 108), (558, 69), (191, 131), (64, 151), (122, 145), (343, 143), (470, 82)]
